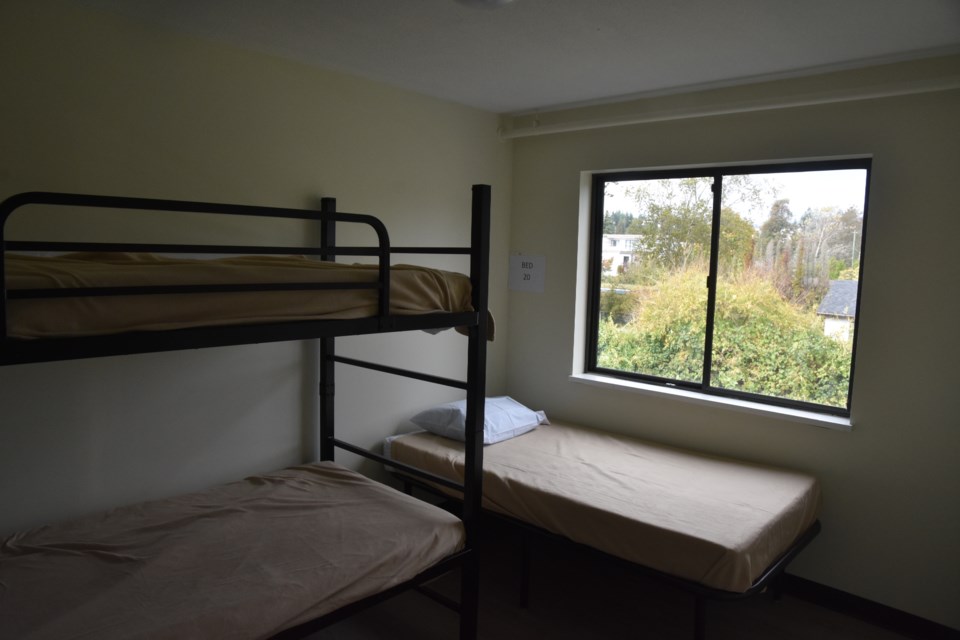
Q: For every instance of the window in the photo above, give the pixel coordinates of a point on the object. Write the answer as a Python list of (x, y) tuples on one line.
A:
[(738, 281)]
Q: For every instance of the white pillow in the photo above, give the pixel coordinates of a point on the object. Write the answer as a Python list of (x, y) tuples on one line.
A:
[(503, 418)]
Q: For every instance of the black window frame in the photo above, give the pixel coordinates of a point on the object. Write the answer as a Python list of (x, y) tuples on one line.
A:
[(717, 172)]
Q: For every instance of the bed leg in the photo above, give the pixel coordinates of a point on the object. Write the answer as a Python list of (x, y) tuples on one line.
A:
[(469, 596), (776, 588), (524, 570), (699, 618)]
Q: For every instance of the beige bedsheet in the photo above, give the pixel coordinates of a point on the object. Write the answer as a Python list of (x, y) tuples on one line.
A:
[(244, 560), (714, 521), (414, 290)]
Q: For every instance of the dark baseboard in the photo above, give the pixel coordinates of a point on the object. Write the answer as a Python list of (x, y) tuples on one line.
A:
[(875, 613)]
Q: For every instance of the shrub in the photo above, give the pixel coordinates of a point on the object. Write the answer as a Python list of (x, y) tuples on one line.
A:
[(762, 343)]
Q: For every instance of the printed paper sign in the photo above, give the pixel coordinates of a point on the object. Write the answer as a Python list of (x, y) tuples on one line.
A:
[(527, 273)]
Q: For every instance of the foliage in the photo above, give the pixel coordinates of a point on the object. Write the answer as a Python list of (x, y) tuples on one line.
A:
[(801, 258), (836, 267), (674, 225), (672, 236), (829, 239), (850, 273), (665, 338), (618, 306), (617, 222), (762, 343), (736, 241), (779, 225)]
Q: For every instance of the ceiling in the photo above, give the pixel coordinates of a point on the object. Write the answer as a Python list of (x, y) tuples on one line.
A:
[(542, 54)]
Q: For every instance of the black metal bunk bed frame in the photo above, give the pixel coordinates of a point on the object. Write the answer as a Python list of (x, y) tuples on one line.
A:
[(21, 351)]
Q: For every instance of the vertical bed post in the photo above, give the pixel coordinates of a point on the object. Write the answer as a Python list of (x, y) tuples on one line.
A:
[(525, 569), (699, 617), (476, 395), (328, 240), (6, 208)]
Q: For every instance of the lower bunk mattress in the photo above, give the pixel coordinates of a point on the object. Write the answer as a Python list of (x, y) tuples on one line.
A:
[(244, 560), (713, 521)]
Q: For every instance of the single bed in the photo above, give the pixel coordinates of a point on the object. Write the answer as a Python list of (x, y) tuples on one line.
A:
[(278, 555), (247, 559), (720, 527)]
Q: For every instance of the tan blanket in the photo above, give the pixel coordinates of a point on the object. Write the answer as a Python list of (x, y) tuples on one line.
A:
[(414, 290), (714, 521), (245, 560)]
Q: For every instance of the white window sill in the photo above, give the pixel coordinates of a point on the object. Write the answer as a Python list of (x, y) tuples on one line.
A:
[(685, 395)]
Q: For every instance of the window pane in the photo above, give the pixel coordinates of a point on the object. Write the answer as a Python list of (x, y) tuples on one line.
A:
[(789, 258), (655, 262)]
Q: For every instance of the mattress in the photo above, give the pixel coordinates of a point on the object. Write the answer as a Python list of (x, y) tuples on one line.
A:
[(413, 290), (714, 521), (244, 560)]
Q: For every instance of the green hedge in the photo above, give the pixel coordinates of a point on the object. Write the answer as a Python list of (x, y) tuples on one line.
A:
[(762, 343)]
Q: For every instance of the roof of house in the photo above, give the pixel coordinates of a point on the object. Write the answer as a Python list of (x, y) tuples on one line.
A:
[(841, 299)]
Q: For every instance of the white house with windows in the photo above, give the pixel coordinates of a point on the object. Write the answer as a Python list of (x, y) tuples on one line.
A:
[(617, 251)]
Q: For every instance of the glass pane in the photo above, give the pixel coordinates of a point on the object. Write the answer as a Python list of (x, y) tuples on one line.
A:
[(789, 259), (655, 259)]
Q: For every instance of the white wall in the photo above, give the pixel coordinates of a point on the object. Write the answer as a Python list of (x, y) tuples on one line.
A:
[(97, 104), (891, 487)]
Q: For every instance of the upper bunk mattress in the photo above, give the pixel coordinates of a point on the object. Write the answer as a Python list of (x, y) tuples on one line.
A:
[(244, 560), (714, 521), (413, 290)]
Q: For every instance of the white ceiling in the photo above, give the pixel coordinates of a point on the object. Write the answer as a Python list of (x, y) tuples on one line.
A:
[(541, 54)]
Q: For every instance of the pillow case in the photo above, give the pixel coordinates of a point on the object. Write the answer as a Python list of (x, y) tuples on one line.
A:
[(503, 418)]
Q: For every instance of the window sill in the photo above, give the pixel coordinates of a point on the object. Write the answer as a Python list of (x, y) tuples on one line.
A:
[(837, 423)]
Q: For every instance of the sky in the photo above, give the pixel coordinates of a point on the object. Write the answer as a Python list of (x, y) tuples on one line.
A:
[(805, 190), (816, 189)]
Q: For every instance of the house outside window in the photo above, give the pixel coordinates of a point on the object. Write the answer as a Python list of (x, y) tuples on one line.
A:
[(839, 309), (617, 252), (738, 281)]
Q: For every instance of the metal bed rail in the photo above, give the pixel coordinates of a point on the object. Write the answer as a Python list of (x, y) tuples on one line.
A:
[(10, 205)]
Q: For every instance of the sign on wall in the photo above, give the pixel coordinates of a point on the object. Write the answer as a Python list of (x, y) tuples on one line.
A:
[(527, 273)]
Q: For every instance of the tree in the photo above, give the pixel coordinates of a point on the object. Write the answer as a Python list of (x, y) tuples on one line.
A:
[(843, 245), (830, 239), (616, 222), (675, 222), (737, 240), (779, 225)]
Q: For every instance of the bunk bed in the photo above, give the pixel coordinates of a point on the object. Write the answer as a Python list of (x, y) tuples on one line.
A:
[(158, 569), (719, 528)]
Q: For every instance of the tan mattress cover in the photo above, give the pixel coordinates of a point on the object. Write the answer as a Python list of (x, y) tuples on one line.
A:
[(714, 521), (413, 290), (244, 560)]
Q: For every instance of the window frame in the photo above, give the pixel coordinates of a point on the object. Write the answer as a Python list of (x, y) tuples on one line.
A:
[(717, 172)]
